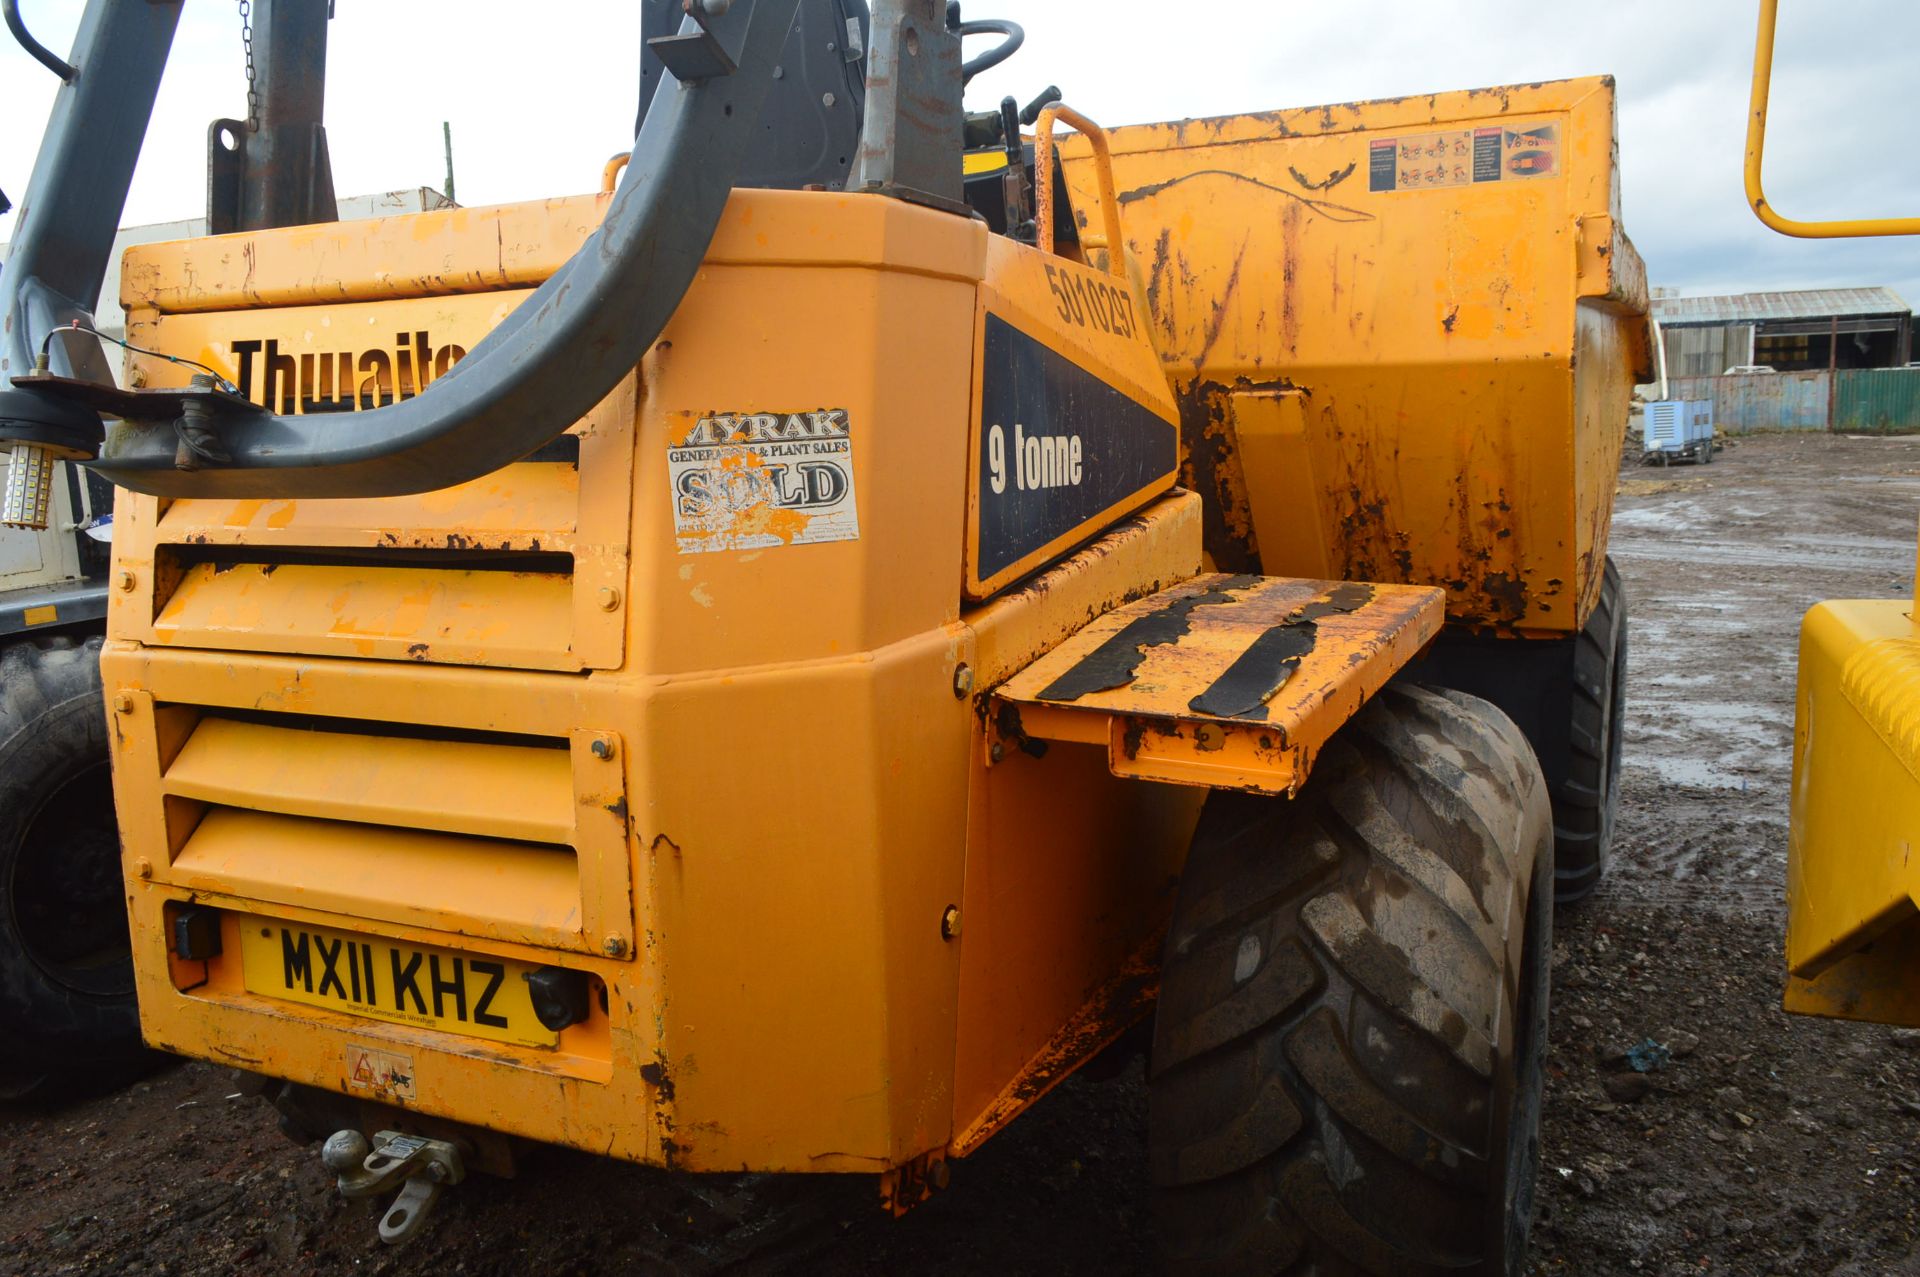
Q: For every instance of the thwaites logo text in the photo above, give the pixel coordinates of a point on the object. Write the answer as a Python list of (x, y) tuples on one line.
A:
[(288, 382)]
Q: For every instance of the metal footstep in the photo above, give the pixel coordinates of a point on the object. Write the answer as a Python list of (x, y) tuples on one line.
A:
[(421, 1168)]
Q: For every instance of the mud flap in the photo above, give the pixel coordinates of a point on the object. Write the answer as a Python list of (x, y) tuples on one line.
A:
[(1231, 682)]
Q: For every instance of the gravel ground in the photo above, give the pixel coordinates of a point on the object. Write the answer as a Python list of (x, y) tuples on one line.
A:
[(1764, 1144)]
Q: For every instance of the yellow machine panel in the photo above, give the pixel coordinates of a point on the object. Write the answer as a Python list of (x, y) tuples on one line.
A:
[(1403, 335), (490, 722), (1853, 886)]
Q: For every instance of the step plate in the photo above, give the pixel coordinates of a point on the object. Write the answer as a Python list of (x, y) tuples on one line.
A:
[(1232, 682)]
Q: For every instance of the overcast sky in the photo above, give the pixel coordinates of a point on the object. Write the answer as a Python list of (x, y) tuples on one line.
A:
[(540, 95)]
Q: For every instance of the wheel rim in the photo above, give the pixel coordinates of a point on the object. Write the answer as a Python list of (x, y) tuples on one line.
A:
[(65, 890)]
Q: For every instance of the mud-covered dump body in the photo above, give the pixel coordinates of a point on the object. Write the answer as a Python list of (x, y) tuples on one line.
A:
[(1403, 335)]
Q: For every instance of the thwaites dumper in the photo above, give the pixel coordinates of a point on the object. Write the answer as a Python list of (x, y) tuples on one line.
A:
[(722, 673)]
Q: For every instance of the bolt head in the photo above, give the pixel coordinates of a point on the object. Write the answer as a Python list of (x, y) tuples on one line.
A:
[(997, 751), (962, 682), (950, 923), (124, 580), (123, 702), (143, 867), (615, 947), (603, 748), (609, 599)]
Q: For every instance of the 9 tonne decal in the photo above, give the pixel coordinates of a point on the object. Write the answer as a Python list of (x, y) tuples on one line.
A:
[(1060, 449)]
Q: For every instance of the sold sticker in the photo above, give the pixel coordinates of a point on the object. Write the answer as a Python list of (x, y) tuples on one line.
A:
[(752, 481)]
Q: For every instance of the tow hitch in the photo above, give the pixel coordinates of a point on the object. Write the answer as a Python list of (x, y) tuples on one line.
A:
[(420, 1167)]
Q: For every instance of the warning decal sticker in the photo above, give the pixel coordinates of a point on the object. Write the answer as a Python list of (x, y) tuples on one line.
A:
[(384, 1073), (1463, 157), (751, 481)]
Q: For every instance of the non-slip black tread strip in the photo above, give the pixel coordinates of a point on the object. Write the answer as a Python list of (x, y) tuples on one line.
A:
[(1115, 662), (1271, 659)]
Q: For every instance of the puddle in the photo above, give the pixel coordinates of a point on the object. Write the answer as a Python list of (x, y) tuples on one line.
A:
[(1691, 772)]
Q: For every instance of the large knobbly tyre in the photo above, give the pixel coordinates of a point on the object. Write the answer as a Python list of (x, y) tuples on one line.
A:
[(1349, 1048), (68, 1021), (1584, 802)]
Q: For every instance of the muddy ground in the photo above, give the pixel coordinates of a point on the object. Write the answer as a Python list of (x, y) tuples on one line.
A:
[(1768, 1145)]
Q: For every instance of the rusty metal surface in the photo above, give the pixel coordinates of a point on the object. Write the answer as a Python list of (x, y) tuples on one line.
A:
[(1044, 194), (272, 168), (1438, 377), (1761, 400), (1233, 681), (1116, 1006)]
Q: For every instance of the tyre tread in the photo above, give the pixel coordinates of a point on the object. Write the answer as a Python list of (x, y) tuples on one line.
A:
[(1421, 828)]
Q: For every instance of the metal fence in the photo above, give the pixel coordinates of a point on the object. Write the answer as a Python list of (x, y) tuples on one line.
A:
[(1850, 401), (1877, 401), (1761, 400)]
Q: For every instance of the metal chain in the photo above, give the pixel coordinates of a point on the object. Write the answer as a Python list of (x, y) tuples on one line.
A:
[(246, 44)]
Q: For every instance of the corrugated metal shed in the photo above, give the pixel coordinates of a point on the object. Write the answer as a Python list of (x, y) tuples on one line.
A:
[(1809, 303)]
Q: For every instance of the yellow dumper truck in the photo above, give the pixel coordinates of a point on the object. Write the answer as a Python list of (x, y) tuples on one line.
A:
[(775, 664)]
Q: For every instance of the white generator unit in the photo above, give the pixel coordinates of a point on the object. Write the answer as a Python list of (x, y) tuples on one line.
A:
[(1678, 430)]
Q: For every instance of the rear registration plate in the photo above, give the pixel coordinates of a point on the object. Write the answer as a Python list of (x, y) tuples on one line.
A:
[(382, 979)]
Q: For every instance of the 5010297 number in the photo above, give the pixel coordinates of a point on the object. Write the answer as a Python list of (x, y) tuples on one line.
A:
[(1091, 302)]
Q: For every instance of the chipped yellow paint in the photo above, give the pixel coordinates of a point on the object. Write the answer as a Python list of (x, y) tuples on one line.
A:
[(1420, 386), (1232, 682), (500, 583)]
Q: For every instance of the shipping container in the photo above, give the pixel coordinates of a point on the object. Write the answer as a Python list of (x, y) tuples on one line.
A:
[(1877, 401)]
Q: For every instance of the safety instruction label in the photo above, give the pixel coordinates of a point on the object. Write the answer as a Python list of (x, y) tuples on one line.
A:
[(1463, 157), (751, 481), (384, 1073)]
